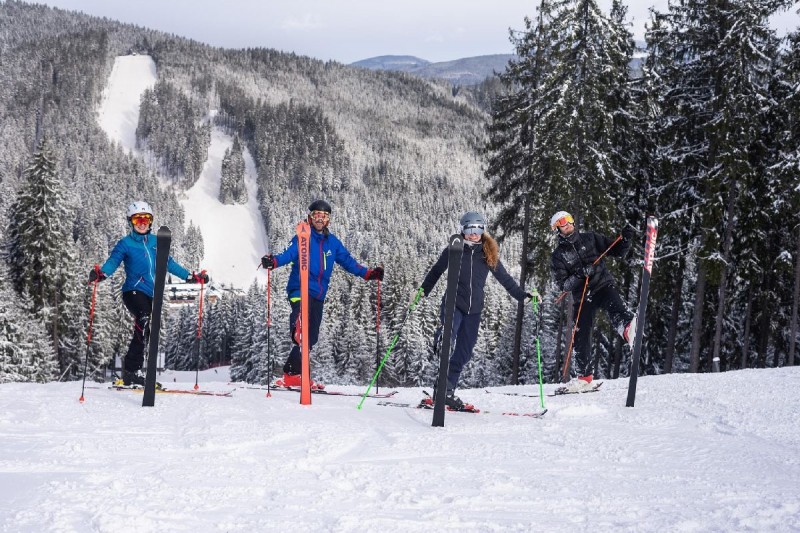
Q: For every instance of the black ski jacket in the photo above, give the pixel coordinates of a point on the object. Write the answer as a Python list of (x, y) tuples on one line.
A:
[(472, 279), (578, 250)]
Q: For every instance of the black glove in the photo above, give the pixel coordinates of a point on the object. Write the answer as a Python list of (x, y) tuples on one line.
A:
[(198, 277), (95, 274), (628, 232), (269, 262), (528, 296), (374, 273), (588, 270)]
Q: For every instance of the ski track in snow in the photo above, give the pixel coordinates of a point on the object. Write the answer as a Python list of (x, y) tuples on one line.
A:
[(697, 453), (234, 234)]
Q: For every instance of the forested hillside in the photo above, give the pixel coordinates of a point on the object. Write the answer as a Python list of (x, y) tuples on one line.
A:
[(397, 157)]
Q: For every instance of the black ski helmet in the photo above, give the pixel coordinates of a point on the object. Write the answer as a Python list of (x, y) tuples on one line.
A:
[(320, 205)]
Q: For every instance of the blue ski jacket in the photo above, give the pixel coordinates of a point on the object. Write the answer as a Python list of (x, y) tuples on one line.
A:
[(326, 250), (138, 252)]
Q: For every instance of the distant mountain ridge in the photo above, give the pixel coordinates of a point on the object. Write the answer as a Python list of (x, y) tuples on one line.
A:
[(465, 71)]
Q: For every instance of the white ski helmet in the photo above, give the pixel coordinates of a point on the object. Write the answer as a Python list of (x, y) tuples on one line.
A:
[(563, 217), (472, 223), (137, 208)]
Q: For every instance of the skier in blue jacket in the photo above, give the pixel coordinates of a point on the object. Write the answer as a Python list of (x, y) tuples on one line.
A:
[(137, 251), (326, 250)]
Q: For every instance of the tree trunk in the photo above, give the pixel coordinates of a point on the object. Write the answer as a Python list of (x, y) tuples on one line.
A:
[(747, 322), (715, 363), (763, 325), (523, 275), (795, 298), (697, 322), (677, 299)]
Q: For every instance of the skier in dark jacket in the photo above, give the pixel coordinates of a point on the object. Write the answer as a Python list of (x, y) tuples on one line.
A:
[(481, 256), (326, 250), (572, 264), (137, 251)]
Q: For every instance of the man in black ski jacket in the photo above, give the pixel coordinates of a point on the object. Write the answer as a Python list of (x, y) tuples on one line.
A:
[(573, 267)]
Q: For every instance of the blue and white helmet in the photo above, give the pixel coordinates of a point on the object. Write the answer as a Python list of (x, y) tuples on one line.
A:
[(137, 208), (472, 223)]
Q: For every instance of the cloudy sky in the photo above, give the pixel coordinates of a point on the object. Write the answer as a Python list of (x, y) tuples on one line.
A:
[(349, 30)]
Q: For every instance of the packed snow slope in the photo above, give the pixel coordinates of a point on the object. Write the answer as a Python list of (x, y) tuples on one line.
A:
[(707, 452), (233, 235)]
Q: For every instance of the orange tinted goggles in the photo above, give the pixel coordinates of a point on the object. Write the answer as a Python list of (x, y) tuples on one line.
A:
[(142, 218), (563, 221), (320, 215)]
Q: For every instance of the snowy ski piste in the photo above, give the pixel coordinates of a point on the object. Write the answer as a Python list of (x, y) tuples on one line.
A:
[(699, 452), (233, 235)]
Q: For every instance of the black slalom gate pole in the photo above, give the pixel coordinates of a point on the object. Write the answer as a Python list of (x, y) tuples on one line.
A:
[(89, 333), (378, 332), (454, 251), (163, 240), (649, 252)]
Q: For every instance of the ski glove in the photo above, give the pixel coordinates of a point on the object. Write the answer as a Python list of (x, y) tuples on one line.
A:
[(628, 233), (199, 277), (374, 273), (588, 270), (95, 274), (269, 262)]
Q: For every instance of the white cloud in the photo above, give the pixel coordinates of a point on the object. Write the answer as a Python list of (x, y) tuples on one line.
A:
[(306, 22)]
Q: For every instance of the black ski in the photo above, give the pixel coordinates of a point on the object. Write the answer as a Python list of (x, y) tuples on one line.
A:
[(649, 253), (454, 251), (421, 405), (163, 241), (328, 392)]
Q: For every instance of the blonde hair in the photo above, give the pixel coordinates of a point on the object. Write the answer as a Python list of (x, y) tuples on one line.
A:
[(491, 250)]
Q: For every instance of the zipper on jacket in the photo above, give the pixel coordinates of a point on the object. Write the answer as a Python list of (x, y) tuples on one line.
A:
[(149, 261), (471, 260), (324, 264)]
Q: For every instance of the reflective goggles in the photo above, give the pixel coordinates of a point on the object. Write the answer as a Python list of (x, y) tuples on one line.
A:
[(563, 221), (142, 218), (320, 215), (473, 229)]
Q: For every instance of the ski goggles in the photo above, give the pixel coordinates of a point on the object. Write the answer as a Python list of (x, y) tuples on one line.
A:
[(473, 229), (142, 218), (563, 221), (320, 215)]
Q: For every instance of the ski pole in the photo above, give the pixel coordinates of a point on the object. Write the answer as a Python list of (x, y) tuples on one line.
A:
[(269, 326), (199, 330), (89, 333), (537, 309), (619, 238), (411, 307), (378, 331), (565, 371)]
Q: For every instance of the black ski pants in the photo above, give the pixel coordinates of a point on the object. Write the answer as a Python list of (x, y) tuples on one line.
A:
[(294, 361), (140, 306), (462, 341), (606, 298)]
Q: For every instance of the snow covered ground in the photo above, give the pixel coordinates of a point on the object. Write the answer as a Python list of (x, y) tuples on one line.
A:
[(708, 452), (233, 235)]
